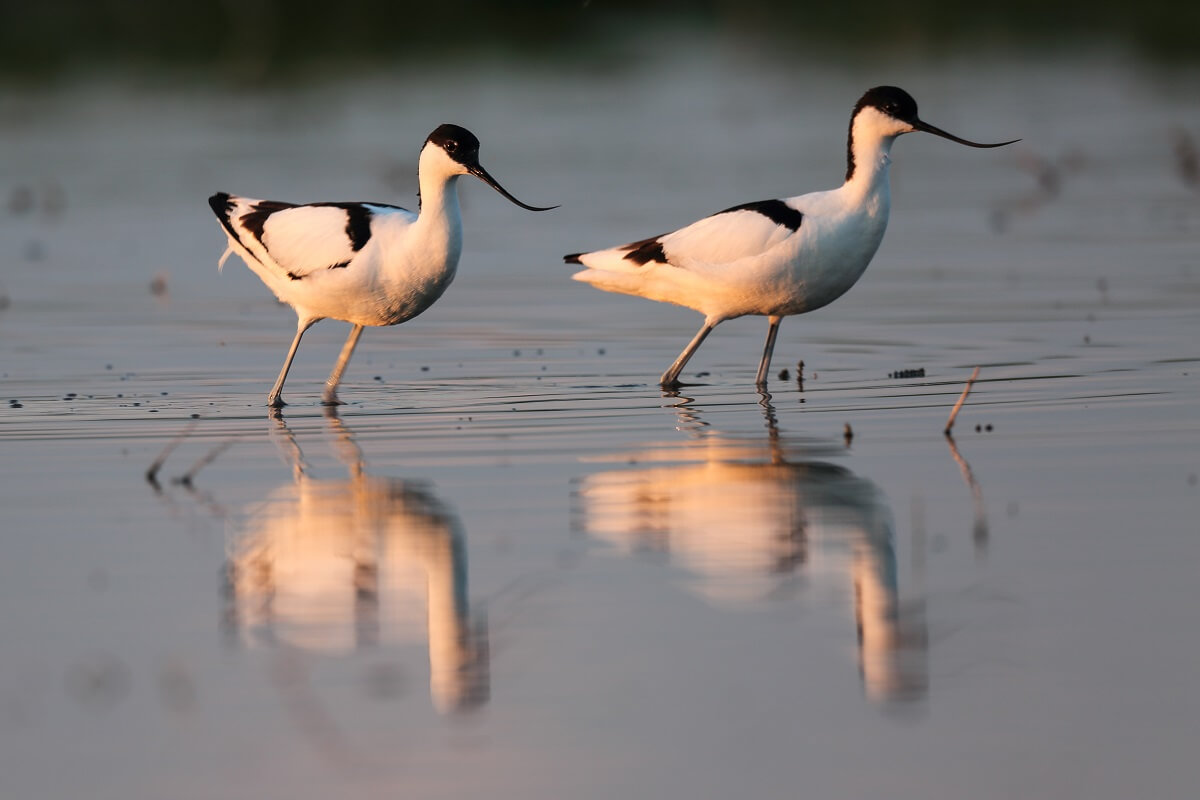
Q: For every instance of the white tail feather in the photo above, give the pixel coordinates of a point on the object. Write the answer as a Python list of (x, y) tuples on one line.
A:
[(224, 258)]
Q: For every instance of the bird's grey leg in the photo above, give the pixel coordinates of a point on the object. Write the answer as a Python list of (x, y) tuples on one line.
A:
[(273, 399), (670, 378), (768, 350), (335, 377)]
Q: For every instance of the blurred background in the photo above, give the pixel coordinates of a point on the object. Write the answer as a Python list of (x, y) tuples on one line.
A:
[(293, 614), (251, 41)]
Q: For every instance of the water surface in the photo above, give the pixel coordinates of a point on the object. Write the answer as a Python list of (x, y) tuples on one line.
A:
[(512, 565)]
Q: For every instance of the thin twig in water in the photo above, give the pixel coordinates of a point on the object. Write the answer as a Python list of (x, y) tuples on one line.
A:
[(152, 472), (186, 478), (962, 399), (980, 529)]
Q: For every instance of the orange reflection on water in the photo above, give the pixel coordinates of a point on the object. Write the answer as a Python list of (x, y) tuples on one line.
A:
[(337, 565), (746, 520)]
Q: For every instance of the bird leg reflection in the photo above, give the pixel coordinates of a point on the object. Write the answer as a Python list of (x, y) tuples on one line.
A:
[(746, 522), (329, 565)]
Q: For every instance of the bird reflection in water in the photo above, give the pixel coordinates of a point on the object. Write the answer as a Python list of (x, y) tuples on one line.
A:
[(334, 565), (751, 520)]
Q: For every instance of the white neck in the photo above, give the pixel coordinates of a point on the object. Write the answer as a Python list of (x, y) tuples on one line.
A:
[(439, 184), (868, 151)]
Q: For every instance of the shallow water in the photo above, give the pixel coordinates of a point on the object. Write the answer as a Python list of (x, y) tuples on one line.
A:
[(514, 566)]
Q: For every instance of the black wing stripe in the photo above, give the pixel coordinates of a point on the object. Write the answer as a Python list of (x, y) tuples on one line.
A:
[(645, 251), (255, 219), (777, 211), (358, 221)]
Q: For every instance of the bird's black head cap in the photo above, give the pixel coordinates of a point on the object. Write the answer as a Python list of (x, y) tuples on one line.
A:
[(458, 142), (891, 100)]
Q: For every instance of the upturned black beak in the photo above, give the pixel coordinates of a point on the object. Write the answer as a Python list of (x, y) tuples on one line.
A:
[(925, 126), (478, 171)]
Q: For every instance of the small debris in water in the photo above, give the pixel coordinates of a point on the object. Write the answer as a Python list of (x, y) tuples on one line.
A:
[(600, 351), (848, 434), (424, 369), (1187, 157), (158, 285), (20, 200), (379, 378), (702, 374), (176, 688), (901, 374), (516, 353), (784, 374), (98, 683), (384, 681)]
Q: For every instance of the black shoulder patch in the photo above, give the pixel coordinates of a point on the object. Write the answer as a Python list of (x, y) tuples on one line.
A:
[(254, 219), (358, 222), (645, 251), (358, 226), (777, 211)]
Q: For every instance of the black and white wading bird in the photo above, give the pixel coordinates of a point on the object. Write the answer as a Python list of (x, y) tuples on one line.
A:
[(774, 258), (364, 263)]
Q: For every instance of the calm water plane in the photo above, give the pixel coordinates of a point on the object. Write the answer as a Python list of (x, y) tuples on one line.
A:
[(363, 263), (774, 258)]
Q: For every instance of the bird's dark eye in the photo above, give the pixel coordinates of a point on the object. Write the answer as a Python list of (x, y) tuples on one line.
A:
[(451, 146)]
